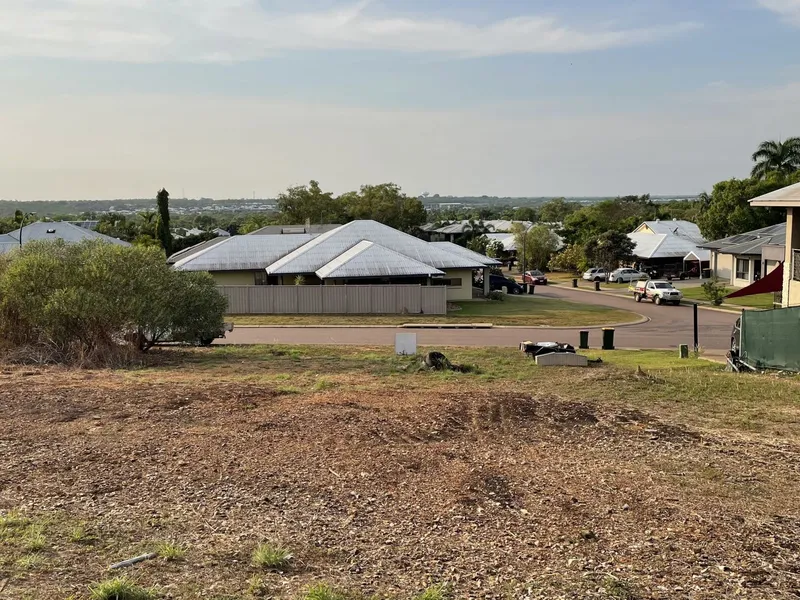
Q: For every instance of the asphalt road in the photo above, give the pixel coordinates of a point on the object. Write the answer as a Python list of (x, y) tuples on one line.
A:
[(668, 327)]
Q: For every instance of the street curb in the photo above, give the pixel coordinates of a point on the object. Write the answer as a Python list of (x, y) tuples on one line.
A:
[(642, 320)]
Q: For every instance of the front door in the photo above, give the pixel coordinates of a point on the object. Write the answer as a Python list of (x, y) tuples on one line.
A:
[(756, 270)]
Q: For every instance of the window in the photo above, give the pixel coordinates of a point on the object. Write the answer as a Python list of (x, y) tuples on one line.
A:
[(796, 265), (261, 277), (742, 268), (455, 282)]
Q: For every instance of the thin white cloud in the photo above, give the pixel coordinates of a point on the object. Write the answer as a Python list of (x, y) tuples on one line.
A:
[(234, 30), (788, 9)]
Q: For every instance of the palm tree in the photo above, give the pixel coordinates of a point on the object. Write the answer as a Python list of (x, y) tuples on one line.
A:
[(781, 157)]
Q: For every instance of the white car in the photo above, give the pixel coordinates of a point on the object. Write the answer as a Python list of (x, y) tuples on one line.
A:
[(596, 274), (659, 292), (626, 276)]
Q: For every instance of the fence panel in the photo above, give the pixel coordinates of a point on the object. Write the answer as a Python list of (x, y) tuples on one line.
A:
[(383, 300), (408, 300), (334, 299), (434, 300), (359, 299), (284, 298), (309, 299), (771, 338), (338, 299), (259, 304)]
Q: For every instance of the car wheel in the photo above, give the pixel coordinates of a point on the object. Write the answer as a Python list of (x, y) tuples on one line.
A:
[(657, 299), (516, 291), (637, 297)]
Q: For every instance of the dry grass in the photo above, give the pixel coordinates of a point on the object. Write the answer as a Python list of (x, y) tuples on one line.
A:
[(511, 482)]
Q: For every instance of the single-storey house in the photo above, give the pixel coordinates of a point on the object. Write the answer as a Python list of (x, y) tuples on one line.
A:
[(667, 245), (788, 198), (358, 253), (744, 258), (52, 230), (293, 229)]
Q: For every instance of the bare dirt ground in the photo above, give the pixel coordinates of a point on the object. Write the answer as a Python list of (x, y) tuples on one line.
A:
[(498, 489)]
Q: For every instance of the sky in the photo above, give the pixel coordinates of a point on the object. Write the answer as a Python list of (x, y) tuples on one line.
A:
[(229, 98)]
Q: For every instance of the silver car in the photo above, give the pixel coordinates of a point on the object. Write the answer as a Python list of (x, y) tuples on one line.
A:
[(626, 276)]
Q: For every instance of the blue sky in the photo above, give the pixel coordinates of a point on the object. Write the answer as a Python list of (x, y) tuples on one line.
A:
[(115, 98)]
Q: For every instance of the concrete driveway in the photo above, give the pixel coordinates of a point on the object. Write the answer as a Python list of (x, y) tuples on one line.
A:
[(668, 327)]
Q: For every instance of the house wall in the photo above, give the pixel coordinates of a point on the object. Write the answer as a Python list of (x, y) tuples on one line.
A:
[(464, 292), (751, 260), (723, 265), (234, 277), (791, 288)]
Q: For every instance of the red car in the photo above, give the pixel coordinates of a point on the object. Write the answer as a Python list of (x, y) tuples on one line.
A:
[(534, 277)]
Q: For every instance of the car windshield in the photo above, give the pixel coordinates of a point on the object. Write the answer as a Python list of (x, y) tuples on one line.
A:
[(663, 286), (536, 273)]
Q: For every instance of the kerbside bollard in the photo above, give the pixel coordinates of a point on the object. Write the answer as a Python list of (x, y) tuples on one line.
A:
[(596, 286), (683, 350), (574, 283), (584, 340)]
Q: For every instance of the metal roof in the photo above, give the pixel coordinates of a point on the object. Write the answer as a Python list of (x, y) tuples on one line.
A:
[(678, 227), (61, 230), (495, 225), (661, 245), (750, 242), (241, 252), (466, 253), (698, 254), (326, 247), (507, 239), (788, 196), (368, 259), (291, 229), (186, 252)]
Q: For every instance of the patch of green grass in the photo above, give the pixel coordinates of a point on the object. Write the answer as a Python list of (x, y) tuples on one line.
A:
[(80, 535), (257, 587), (31, 562), (323, 384), (11, 522), (120, 588), (33, 539), (755, 301), (272, 556), (618, 588), (171, 551), (435, 592), (323, 591)]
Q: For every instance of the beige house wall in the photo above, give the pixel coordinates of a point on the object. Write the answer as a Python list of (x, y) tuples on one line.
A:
[(234, 277), (724, 269), (464, 291)]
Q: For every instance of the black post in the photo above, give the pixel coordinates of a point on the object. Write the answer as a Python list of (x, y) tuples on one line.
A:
[(696, 338)]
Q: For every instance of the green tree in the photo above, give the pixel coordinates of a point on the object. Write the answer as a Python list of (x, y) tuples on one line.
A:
[(534, 246), (495, 249), (86, 300), (309, 203), (479, 244), (556, 210), (255, 221), (727, 210), (386, 203), (609, 249), (572, 259), (163, 232), (776, 157)]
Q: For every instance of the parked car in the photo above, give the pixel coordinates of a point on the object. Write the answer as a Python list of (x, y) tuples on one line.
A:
[(535, 277), (626, 276), (596, 274), (498, 282), (657, 291)]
